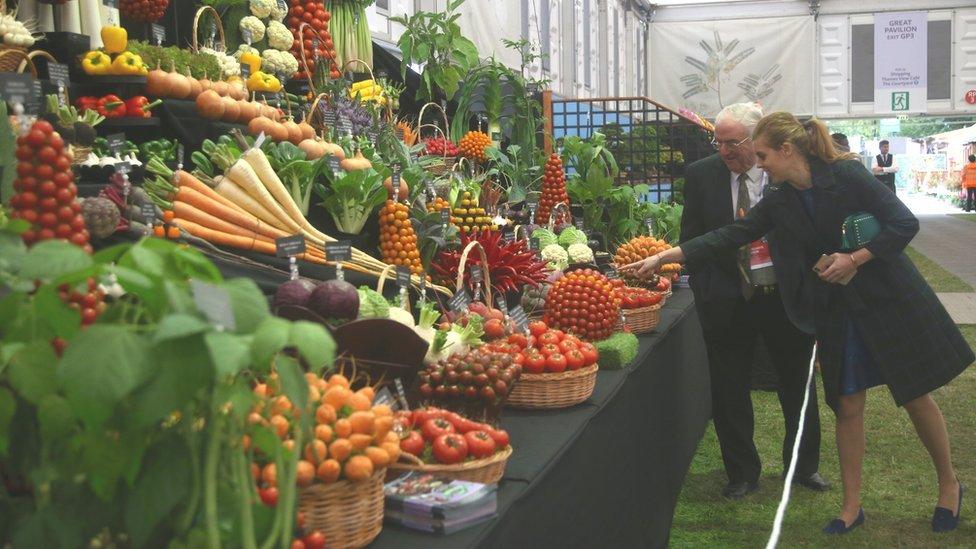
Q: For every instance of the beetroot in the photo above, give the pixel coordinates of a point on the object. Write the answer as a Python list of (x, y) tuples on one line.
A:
[(335, 299), (293, 292)]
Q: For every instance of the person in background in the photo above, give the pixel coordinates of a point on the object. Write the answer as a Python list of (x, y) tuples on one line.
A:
[(841, 142), (738, 300), (884, 166), (878, 322), (969, 182)]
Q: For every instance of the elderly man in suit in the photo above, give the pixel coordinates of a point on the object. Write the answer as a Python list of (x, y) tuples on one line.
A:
[(738, 301)]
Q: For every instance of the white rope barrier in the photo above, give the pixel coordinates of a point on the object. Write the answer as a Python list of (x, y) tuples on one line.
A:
[(788, 483)]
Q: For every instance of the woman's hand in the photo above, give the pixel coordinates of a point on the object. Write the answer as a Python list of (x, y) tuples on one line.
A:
[(842, 266), (644, 268)]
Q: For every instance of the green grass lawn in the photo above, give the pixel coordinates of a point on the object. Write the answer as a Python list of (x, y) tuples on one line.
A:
[(966, 216), (940, 279), (899, 484)]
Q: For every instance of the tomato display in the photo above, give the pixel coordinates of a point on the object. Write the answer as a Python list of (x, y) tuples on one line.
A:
[(583, 303), (481, 378), (315, 38), (450, 448), (440, 436)]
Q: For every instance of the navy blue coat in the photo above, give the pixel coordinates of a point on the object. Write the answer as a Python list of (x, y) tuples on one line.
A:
[(903, 324)]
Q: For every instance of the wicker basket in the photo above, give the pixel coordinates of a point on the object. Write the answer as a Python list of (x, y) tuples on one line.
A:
[(10, 57), (79, 154), (549, 391), (444, 165), (218, 27), (350, 514), (643, 319), (486, 471)]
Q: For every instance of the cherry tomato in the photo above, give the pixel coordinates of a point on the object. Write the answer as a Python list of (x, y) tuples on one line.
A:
[(269, 496), (47, 155), (36, 138), (44, 171), (297, 544), (556, 363), (315, 540), (450, 448), (63, 230), (88, 316)]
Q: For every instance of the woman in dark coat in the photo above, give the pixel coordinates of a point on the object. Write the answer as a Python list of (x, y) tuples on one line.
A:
[(886, 326)]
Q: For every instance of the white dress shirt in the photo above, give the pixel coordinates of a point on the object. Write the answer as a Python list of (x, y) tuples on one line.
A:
[(879, 170), (757, 178)]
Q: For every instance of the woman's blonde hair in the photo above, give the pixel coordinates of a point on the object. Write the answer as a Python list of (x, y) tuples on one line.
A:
[(811, 137)]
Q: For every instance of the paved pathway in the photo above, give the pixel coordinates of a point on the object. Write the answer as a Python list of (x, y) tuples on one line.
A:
[(950, 242)]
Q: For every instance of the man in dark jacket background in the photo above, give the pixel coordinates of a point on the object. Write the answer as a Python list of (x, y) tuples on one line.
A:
[(738, 300)]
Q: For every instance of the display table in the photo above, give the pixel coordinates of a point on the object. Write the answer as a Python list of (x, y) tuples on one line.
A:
[(606, 473)]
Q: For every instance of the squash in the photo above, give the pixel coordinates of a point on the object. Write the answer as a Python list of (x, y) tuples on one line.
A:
[(210, 105), (357, 162), (231, 109), (294, 132), (157, 83)]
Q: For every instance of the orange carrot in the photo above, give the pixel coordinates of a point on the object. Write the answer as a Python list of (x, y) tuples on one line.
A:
[(191, 196), (184, 179), (234, 240)]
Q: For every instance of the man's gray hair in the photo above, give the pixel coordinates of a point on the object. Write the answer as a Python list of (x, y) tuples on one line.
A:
[(747, 114)]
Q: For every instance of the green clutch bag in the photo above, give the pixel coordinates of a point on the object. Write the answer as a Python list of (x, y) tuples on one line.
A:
[(857, 230)]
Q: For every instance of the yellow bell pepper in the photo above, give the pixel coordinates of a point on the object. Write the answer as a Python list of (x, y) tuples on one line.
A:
[(127, 64), (362, 84), (253, 60), (96, 62), (115, 39), (263, 82)]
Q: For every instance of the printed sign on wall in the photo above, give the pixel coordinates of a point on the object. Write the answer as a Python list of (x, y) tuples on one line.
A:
[(900, 62)]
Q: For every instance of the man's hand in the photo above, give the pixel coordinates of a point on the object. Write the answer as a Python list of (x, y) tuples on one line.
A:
[(842, 267), (644, 268)]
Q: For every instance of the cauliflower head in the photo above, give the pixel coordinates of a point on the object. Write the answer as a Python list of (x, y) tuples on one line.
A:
[(555, 256), (278, 62), (242, 49), (279, 37), (580, 253), (263, 8), (229, 66), (277, 13), (253, 25)]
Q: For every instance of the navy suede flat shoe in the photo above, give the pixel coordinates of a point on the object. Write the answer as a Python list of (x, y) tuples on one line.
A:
[(838, 527), (943, 520)]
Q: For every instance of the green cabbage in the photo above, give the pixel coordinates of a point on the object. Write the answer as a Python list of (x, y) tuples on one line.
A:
[(572, 235), (372, 304), (545, 236)]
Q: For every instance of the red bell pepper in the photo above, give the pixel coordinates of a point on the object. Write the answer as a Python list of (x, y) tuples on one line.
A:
[(140, 107), (111, 106), (86, 103)]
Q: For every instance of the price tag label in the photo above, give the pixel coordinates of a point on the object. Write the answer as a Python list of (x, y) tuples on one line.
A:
[(159, 33), (345, 126), (245, 71), (290, 246), (399, 133), (281, 6), (395, 183), (445, 215), (460, 301), (334, 164), (502, 303), (532, 202), (610, 273), (114, 4), (15, 88), (413, 155), (476, 274), (148, 213), (403, 276), (520, 317), (115, 142), (650, 223), (384, 396), (329, 116), (338, 251), (578, 222), (179, 154), (214, 302), (534, 243), (123, 167), (508, 236), (33, 103), (57, 73), (315, 48)]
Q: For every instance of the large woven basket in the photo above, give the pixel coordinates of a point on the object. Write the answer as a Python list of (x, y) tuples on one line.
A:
[(550, 391), (350, 514), (643, 319), (486, 471)]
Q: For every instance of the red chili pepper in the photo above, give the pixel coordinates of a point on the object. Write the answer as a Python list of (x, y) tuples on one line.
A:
[(111, 106), (140, 107), (86, 103)]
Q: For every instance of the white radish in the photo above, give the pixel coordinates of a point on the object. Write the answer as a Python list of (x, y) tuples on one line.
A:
[(229, 190), (244, 176)]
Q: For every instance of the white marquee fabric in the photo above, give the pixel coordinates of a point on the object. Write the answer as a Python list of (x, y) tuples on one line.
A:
[(706, 65)]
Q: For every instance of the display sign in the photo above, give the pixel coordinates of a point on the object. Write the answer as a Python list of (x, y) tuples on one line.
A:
[(290, 246), (403, 276), (15, 88), (338, 251), (149, 213), (520, 317), (610, 272), (334, 164), (33, 103), (214, 302), (445, 215), (114, 4), (159, 33), (476, 274), (460, 301), (115, 142), (901, 62), (502, 303), (57, 73), (123, 167)]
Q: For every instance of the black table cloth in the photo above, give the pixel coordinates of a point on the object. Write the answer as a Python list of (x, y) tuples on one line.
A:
[(606, 473)]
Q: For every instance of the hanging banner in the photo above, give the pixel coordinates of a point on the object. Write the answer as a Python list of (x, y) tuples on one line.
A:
[(901, 62), (707, 65)]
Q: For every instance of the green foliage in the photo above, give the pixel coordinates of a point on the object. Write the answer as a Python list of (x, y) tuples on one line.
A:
[(516, 175), (136, 428), (435, 40), (198, 64), (352, 197), (7, 158)]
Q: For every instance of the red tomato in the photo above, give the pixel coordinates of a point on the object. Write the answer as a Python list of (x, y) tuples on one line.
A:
[(548, 338), (518, 339), (433, 428), (567, 345), (556, 363), (537, 328), (500, 436), (590, 353), (315, 540), (297, 544), (450, 448), (535, 363), (518, 358), (480, 444), (653, 299), (549, 349), (575, 359), (307, 17), (269, 496), (494, 329), (413, 443), (559, 334)]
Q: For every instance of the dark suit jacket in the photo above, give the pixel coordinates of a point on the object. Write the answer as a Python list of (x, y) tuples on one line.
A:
[(904, 326), (716, 281)]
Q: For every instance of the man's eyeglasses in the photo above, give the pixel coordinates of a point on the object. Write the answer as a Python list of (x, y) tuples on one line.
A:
[(731, 145)]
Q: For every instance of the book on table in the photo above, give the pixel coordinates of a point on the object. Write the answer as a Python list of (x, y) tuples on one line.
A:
[(432, 504)]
